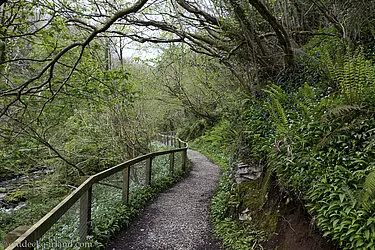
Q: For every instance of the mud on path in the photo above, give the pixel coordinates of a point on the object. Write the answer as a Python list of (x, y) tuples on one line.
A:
[(179, 217)]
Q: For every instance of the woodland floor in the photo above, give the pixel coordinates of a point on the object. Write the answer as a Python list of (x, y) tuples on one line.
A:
[(179, 218)]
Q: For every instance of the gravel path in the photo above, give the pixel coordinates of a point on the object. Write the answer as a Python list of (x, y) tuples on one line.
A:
[(179, 217)]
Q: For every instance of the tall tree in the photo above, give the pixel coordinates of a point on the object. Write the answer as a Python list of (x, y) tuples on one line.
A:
[(256, 39)]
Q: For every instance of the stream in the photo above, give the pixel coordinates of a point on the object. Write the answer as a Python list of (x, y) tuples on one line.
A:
[(17, 182)]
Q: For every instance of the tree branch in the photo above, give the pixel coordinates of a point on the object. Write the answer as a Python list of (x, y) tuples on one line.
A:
[(3, 1), (209, 18), (76, 20), (331, 18), (281, 33), (22, 89)]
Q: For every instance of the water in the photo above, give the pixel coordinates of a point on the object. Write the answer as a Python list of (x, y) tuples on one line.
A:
[(11, 184)]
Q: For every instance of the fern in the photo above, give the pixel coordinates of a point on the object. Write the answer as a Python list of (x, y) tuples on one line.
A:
[(368, 193), (353, 75), (306, 92), (350, 193), (304, 108), (340, 111), (275, 107)]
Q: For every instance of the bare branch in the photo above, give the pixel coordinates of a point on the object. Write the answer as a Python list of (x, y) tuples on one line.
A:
[(192, 9), (331, 18), (76, 20), (281, 33), (141, 39), (31, 33)]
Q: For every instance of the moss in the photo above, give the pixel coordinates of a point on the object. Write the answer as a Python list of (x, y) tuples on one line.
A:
[(7, 171), (2, 53), (267, 221), (248, 194), (250, 199), (266, 183)]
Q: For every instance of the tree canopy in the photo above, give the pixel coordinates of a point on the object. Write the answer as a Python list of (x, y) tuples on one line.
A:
[(255, 39)]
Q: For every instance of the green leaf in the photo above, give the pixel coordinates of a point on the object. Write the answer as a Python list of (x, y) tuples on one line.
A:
[(367, 234), (342, 197)]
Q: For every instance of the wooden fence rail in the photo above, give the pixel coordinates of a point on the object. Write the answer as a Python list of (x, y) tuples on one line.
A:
[(84, 194)]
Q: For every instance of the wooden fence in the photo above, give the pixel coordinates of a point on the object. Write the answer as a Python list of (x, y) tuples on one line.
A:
[(84, 194)]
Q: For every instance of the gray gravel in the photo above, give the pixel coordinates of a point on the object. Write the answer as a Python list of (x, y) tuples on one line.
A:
[(179, 217)]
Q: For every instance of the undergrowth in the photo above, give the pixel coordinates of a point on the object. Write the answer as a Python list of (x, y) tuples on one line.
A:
[(217, 144), (120, 218), (318, 138), (109, 215)]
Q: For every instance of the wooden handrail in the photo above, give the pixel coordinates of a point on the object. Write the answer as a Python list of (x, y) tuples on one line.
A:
[(84, 191)]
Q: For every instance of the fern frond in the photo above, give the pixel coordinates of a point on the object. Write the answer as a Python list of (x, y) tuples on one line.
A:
[(369, 184), (307, 93), (277, 92), (352, 75), (304, 108), (276, 108), (368, 194), (350, 193), (340, 111)]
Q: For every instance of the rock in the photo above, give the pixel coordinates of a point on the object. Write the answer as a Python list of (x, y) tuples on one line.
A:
[(244, 215), (240, 180), (242, 165), (247, 172), (242, 171), (252, 176)]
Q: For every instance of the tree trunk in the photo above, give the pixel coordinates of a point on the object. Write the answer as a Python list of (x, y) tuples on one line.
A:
[(2, 52), (281, 34)]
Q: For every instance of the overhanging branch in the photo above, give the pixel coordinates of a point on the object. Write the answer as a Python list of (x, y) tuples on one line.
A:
[(24, 89)]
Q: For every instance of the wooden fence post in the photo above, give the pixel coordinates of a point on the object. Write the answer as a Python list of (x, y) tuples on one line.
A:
[(125, 185), (148, 170), (85, 215), (184, 160), (84, 195), (171, 163)]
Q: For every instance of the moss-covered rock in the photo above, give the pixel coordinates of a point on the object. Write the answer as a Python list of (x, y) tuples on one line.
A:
[(249, 203)]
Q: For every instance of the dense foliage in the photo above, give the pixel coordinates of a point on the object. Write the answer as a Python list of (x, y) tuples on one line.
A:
[(317, 136), (286, 84)]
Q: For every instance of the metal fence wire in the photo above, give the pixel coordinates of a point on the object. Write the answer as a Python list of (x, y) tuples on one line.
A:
[(64, 234), (92, 208)]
